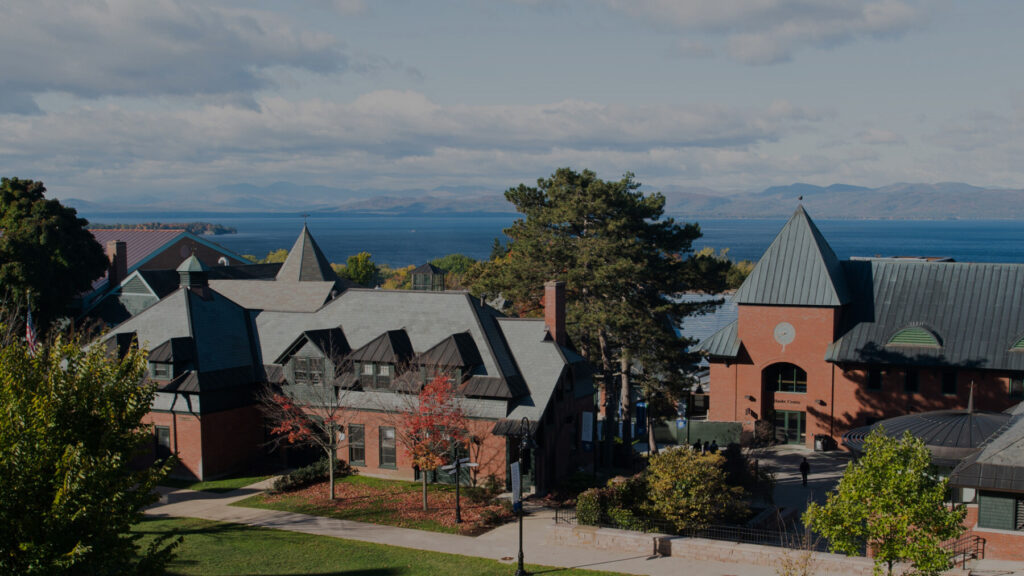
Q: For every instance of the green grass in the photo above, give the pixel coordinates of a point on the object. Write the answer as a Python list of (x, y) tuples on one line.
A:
[(216, 548), (222, 485)]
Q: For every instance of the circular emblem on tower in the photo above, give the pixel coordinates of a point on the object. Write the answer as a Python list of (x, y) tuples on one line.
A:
[(784, 334)]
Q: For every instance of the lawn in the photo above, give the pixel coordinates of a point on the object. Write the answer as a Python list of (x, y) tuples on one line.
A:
[(215, 548), (390, 502), (222, 485)]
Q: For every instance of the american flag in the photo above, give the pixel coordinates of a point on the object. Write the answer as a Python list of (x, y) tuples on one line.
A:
[(30, 334)]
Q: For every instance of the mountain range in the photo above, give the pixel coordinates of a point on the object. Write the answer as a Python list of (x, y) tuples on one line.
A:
[(940, 201)]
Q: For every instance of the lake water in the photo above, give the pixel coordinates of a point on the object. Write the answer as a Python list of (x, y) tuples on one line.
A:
[(404, 240)]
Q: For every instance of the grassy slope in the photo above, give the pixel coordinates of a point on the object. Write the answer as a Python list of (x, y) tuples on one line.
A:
[(222, 485), (214, 548)]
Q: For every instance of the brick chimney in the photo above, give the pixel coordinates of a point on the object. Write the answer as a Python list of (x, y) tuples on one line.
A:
[(554, 310), (117, 253)]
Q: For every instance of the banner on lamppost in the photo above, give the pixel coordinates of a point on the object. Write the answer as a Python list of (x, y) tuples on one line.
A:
[(517, 493), (587, 427)]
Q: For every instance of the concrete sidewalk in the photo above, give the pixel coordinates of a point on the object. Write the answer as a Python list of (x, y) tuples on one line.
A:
[(499, 544)]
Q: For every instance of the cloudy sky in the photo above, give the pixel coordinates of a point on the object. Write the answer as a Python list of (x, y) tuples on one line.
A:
[(130, 99)]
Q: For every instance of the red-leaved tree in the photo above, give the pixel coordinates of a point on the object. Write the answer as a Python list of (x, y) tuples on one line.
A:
[(432, 427), (315, 424)]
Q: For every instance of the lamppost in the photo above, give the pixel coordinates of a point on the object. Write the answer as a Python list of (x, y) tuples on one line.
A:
[(524, 445)]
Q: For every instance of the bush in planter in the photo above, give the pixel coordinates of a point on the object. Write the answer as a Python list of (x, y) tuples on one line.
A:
[(590, 507), (309, 475), (689, 489)]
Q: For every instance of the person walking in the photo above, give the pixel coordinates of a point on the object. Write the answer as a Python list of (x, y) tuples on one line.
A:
[(805, 469)]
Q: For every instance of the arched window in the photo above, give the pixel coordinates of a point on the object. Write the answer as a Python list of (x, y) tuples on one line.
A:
[(784, 377)]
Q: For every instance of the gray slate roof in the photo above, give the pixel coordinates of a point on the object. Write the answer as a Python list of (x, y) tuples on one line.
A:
[(999, 465), (280, 295), (306, 262), (458, 350), (392, 347), (976, 310), (540, 361), (798, 269)]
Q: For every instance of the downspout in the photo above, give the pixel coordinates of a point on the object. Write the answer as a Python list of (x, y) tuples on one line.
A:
[(832, 405)]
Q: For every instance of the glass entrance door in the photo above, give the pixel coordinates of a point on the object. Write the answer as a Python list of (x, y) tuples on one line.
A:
[(791, 425)]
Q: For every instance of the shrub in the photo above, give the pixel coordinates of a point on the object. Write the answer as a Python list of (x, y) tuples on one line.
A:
[(589, 507), (690, 490), (493, 485), (308, 475), (626, 519), (477, 494)]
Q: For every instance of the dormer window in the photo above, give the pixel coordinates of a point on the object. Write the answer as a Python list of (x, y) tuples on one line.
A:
[(159, 371), (308, 370), (368, 369), (385, 370)]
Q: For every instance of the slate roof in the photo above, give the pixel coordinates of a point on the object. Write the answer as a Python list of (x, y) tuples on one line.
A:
[(427, 268), (798, 269), (391, 347), (950, 435), (975, 309), (455, 351), (306, 262), (999, 465), (283, 296), (540, 361)]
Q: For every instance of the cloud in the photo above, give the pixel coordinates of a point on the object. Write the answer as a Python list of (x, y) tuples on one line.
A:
[(771, 31), (381, 139), (98, 48), (875, 136)]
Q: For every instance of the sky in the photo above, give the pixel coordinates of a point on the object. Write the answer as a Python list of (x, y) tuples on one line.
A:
[(122, 99)]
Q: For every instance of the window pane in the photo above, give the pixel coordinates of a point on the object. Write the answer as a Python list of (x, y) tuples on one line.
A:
[(910, 381), (368, 369), (874, 379), (356, 445), (385, 370), (1017, 388), (387, 447), (949, 383)]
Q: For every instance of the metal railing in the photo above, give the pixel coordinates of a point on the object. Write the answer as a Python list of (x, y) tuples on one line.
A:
[(964, 548)]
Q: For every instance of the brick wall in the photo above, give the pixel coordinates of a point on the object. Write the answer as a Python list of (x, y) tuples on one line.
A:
[(186, 436), (999, 544), (231, 441)]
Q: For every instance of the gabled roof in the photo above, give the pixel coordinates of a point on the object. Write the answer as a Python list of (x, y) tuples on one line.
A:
[(974, 310), (392, 347), (455, 351), (306, 262), (330, 341), (798, 269), (284, 296)]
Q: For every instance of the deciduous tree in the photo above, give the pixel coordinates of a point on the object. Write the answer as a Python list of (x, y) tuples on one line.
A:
[(360, 269), (432, 427), (892, 502), (45, 250), (69, 430)]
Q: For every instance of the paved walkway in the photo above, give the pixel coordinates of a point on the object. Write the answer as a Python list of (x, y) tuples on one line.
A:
[(502, 542)]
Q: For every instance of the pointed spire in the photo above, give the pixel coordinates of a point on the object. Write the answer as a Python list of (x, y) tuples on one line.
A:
[(798, 269), (306, 262), (970, 400), (192, 273)]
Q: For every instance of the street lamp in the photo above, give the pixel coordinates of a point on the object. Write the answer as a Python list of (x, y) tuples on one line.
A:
[(524, 445)]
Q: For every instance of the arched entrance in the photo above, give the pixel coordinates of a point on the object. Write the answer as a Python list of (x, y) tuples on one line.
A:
[(786, 378)]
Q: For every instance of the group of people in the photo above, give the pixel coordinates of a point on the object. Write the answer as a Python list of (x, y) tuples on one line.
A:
[(705, 448)]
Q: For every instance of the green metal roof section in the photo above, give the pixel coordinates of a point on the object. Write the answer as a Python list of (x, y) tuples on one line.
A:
[(975, 310), (798, 269), (306, 262), (722, 344), (1018, 346), (914, 336)]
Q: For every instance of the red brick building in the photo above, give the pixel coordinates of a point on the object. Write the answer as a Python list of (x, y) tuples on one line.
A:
[(821, 346), (215, 344)]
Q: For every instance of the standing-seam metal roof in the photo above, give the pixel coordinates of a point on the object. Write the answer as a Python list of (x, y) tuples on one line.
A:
[(975, 309), (798, 269)]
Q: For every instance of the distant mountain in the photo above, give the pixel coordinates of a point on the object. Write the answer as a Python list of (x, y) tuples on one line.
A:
[(902, 200)]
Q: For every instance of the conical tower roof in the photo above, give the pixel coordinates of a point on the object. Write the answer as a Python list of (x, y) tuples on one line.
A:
[(305, 262), (798, 269)]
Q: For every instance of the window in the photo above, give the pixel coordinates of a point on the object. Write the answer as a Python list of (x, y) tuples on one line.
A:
[(910, 381), (308, 370), (163, 442), (1017, 388), (356, 445), (786, 378), (385, 370), (949, 383), (874, 379), (1001, 511), (160, 371), (367, 369), (387, 447)]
